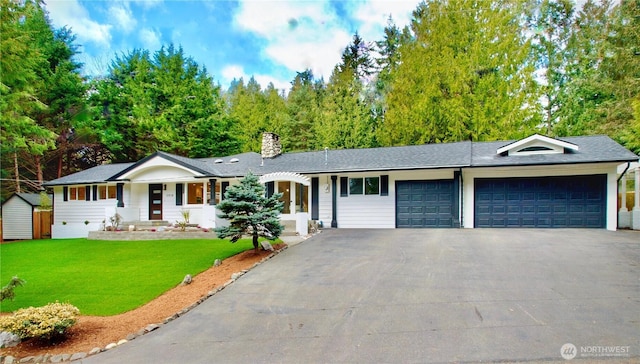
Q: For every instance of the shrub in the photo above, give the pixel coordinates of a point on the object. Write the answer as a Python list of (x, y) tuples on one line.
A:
[(45, 323), (7, 292)]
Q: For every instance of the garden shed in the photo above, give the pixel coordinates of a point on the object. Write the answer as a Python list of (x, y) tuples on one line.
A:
[(23, 218)]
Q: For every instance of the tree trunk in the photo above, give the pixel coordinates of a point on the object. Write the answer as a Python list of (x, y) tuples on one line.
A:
[(255, 241), (39, 170), (17, 171)]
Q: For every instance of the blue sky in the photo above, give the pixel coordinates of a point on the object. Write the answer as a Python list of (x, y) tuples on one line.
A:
[(268, 39)]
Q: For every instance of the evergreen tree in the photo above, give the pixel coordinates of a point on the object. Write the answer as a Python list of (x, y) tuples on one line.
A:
[(42, 96), (303, 104), (345, 119), (584, 91), (552, 23), (248, 110), (166, 103), (465, 75), (250, 212), (619, 115)]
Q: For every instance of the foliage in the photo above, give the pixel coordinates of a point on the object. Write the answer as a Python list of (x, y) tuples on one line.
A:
[(43, 97), (115, 220), (250, 212), (165, 102), (462, 70), (345, 119), (45, 201), (106, 278), (464, 75), (45, 323), (7, 292), (185, 219)]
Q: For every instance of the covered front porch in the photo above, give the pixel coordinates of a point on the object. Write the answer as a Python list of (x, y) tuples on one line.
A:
[(154, 205)]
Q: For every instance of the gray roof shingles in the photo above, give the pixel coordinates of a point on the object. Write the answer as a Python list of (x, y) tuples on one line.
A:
[(592, 149)]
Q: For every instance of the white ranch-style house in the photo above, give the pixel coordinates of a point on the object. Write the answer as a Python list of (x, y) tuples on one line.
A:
[(534, 182)]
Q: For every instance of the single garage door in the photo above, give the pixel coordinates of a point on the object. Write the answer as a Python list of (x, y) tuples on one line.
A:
[(424, 204), (548, 202)]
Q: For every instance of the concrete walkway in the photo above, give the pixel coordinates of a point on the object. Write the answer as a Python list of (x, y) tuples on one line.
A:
[(417, 296)]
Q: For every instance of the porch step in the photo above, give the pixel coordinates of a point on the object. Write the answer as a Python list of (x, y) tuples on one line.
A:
[(289, 227)]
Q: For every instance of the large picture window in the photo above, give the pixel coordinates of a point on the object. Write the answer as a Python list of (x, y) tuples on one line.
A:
[(195, 192)]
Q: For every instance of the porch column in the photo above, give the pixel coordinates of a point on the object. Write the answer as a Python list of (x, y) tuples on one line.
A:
[(624, 216), (334, 200), (635, 213), (212, 191), (120, 194)]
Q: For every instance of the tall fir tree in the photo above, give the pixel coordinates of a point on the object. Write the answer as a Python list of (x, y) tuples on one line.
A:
[(552, 24), (303, 103), (466, 74), (345, 118)]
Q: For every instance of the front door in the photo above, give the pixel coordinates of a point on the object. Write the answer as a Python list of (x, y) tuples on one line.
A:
[(155, 202)]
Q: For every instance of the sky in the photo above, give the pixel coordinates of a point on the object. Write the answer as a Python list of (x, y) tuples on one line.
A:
[(270, 40)]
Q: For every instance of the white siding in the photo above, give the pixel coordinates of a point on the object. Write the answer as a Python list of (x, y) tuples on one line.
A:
[(373, 211), (324, 201), (79, 211), (469, 175), (17, 219)]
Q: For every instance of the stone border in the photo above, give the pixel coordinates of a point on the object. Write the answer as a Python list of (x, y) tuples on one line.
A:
[(61, 358)]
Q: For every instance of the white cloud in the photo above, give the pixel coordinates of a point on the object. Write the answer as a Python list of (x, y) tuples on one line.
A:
[(72, 14), (123, 17), (150, 39), (299, 35), (373, 15), (310, 34), (148, 4), (230, 72)]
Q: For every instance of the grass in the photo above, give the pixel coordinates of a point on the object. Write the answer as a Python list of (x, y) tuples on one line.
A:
[(105, 278)]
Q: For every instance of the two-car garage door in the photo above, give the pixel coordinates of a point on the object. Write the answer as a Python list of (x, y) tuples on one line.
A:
[(547, 202)]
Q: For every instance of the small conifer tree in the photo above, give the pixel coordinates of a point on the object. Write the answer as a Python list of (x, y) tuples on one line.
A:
[(250, 212)]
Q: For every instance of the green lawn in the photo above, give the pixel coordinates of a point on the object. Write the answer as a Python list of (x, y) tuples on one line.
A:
[(105, 277)]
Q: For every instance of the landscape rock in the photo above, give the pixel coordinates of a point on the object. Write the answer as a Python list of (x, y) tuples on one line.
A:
[(110, 346), (78, 356), (187, 279), (132, 336), (267, 246), (236, 275), (9, 360), (151, 327), (217, 263), (8, 340), (95, 351), (28, 359), (123, 341), (60, 358)]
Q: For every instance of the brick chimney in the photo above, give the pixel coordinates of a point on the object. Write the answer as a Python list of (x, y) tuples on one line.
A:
[(271, 146)]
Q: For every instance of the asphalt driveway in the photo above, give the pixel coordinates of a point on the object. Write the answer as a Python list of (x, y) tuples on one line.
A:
[(417, 296)]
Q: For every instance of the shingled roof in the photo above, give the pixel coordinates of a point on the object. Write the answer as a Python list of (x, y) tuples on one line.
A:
[(592, 149)]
